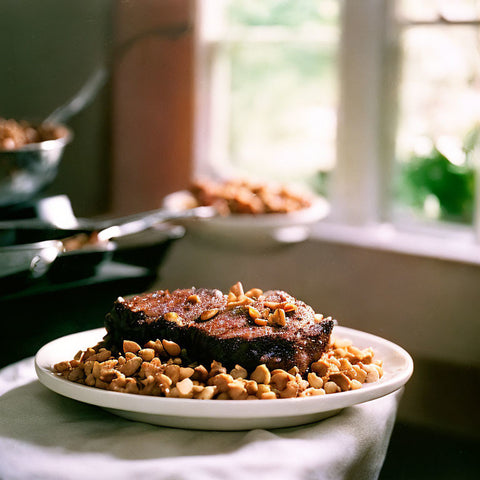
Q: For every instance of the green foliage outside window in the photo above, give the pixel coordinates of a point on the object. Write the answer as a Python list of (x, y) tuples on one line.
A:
[(435, 176), (287, 13)]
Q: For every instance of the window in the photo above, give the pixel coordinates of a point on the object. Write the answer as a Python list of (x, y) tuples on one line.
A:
[(272, 68), (439, 105), (372, 103)]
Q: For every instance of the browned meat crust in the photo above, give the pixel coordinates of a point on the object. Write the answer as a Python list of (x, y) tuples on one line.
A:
[(230, 336)]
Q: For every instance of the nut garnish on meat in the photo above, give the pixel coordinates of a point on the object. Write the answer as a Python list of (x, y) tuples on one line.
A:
[(247, 327)]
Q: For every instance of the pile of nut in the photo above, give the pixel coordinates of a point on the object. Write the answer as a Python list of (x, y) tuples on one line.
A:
[(15, 134), (158, 369), (81, 240), (246, 197), (274, 313)]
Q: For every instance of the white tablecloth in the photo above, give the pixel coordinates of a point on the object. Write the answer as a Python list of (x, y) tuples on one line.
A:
[(46, 436)]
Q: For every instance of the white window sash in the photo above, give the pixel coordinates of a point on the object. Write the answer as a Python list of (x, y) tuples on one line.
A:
[(361, 182)]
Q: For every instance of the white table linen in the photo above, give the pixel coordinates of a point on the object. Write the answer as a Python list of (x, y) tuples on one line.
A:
[(46, 436)]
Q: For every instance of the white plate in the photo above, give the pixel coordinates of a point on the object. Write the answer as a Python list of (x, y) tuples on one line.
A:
[(224, 414), (251, 230)]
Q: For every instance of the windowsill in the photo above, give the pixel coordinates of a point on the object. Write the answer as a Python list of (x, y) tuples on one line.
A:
[(456, 247)]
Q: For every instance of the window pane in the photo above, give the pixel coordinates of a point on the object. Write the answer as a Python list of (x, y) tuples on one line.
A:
[(428, 10), (439, 105), (281, 102), (283, 109), (291, 13)]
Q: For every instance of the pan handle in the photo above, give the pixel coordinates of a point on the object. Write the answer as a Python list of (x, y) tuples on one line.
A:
[(141, 222)]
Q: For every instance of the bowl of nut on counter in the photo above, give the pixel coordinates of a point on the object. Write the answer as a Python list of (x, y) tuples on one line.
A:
[(29, 158), (250, 213)]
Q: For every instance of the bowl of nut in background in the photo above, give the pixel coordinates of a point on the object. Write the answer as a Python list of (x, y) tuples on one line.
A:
[(29, 158), (251, 214)]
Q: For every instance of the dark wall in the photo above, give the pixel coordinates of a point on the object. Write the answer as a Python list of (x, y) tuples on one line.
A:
[(48, 49)]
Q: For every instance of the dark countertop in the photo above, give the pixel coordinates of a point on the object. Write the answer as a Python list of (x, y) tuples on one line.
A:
[(38, 314)]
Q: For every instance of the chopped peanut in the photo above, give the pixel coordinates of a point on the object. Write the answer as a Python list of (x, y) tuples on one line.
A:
[(173, 372), (372, 374), (314, 380), (251, 386), (75, 375), (200, 373), (207, 393), (101, 356), (331, 387), (171, 348), (278, 317), (147, 354), (254, 293), (294, 370), (290, 307), (312, 392), (131, 366), (171, 316), (280, 379), (185, 388), (320, 367), (208, 314), (129, 346), (268, 396), (137, 370), (261, 374), (262, 388), (221, 381), (240, 301), (239, 372), (261, 322), (193, 299), (185, 372), (62, 366), (237, 390), (254, 313), (341, 380), (361, 374), (216, 368), (291, 389), (273, 305), (355, 385), (237, 289)]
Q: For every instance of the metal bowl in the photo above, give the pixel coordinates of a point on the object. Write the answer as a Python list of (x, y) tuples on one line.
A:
[(25, 171)]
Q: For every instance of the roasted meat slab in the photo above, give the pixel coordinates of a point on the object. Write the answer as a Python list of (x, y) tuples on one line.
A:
[(248, 329)]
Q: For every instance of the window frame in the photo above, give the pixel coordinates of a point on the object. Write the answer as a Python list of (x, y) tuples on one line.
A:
[(371, 170), (212, 75), (369, 59), (362, 118)]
